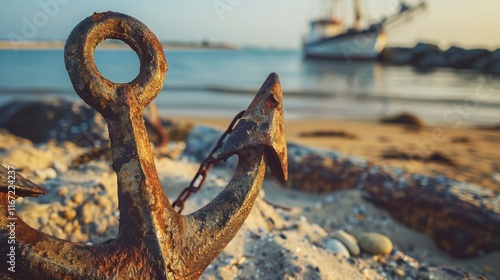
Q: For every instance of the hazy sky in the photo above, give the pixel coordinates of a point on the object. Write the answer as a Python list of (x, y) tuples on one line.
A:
[(263, 23)]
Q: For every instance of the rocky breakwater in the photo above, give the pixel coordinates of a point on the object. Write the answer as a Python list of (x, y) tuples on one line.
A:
[(62, 120), (426, 56)]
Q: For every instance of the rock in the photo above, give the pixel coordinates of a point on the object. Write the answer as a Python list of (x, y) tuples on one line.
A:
[(46, 173), (399, 273), (68, 213), (423, 49), (59, 167), (40, 121), (68, 228), (348, 240), (200, 142), (397, 56), (495, 68), (404, 118), (56, 119), (334, 246), (103, 202), (465, 59), (62, 191), (430, 60), (375, 243), (424, 275), (485, 63), (102, 226), (78, 198), (88, 212), (27, 158), (452, 51)]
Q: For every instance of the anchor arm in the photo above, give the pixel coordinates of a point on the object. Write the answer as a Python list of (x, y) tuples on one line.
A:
[(31, 246), (259, 140)]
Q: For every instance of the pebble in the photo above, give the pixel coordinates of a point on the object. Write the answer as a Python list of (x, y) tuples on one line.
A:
[(375, 243), (59, 167), (348, 240), (496, 177), (102, 227), (488, 269), (87, 212), (43, 221), (336, 247), (78, 198), (47, 173), (62, 191), (69, 214), (103, 202), (68, 228), (399, 273), (425, 275)]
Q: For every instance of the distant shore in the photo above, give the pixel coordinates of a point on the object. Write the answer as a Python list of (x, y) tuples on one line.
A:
[(112, 45)]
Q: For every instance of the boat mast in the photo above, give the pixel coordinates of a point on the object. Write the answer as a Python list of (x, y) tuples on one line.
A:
[(357, 15)]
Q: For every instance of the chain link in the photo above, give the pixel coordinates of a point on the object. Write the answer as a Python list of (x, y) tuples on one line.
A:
[(205, 167)]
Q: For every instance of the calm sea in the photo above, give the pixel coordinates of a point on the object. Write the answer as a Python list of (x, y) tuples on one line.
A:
[(222, 82)]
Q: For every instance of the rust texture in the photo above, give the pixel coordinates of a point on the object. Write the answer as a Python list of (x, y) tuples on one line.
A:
[(154, 241)]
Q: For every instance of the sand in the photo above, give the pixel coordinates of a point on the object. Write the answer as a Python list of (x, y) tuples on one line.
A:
[(285, 242)]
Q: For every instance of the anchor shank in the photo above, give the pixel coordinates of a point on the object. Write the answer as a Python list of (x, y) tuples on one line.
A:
[(141, 198)]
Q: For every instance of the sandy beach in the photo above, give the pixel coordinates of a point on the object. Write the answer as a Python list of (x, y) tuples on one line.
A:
[(289, 233)]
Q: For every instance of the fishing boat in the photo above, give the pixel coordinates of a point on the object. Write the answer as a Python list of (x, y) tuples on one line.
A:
[(330, 38)]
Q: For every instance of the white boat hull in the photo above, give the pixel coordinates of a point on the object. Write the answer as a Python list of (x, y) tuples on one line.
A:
[(362, 45)]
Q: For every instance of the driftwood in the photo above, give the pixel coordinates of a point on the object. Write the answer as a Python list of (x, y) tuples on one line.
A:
[(462, 218)]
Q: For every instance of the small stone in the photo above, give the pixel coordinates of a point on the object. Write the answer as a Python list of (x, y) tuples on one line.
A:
[(59, 167), (102, 227), (43, 221), (375, 243), (424, 275), (62, 191), (336, 247), (68, 228), (87, 212), (69, 214), (78, 198), (50, 173), (103, 202), (399, 273), (488, 269), (496, 177), (348, 240)]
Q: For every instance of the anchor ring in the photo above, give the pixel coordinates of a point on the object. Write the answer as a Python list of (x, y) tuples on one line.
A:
[(97, 91)]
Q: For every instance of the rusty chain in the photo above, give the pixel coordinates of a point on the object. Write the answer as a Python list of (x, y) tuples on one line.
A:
[(205, 167)]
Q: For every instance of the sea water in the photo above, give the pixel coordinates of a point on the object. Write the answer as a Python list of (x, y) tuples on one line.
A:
[(220, 83)]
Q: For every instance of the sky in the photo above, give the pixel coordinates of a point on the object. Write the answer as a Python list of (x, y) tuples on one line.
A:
[(259, 23)]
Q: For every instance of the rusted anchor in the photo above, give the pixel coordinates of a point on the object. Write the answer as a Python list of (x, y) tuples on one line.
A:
[(154, 241)]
